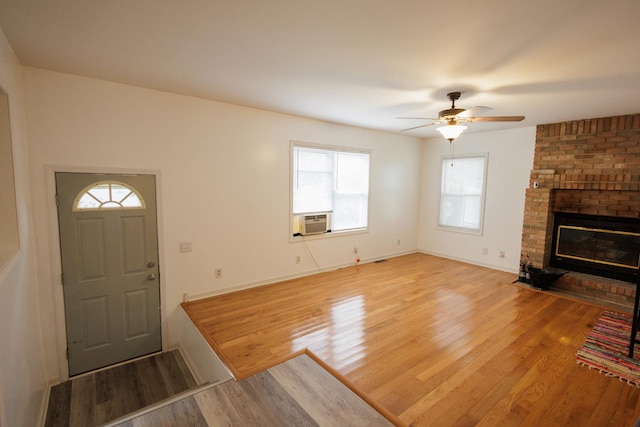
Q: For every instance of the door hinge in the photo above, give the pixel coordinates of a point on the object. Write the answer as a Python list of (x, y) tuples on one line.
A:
[(57, 201), (67, 353), (62, 278)]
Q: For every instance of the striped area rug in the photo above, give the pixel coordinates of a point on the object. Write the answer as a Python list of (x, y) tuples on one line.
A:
[(607, 347)]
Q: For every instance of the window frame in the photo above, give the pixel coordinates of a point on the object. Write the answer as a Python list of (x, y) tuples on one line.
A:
[(87, 190), (327, 147), (444, 162)]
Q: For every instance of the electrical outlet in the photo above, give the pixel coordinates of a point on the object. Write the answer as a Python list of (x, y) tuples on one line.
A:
[(298, 260), (355, 249), (218, 272), (398, 242), (501, 254)]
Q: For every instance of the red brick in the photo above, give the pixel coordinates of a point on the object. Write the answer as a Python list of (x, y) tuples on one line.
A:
[(586, 166)]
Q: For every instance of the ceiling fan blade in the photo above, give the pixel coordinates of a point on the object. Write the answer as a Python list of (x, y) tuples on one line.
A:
[(478, 110), (417, 127), (496, 119), (418, 118), (455, 115)]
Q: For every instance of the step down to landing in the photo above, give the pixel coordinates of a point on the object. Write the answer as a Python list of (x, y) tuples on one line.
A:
[(99, 397), (158, 405), (296, 392)]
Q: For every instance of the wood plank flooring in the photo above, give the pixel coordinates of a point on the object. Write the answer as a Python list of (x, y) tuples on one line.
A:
[(433, 341), (298, 392), (102, 396)]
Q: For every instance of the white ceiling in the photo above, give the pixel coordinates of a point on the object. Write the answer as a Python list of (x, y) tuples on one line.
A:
[(358, 62)]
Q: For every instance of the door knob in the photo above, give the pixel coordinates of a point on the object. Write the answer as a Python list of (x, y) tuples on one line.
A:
[(151, 277)]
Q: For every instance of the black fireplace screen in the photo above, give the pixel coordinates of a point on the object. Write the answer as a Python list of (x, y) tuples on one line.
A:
[(603, 246)]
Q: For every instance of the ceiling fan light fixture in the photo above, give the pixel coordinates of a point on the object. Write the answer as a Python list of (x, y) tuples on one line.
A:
[(453, 116), (451, 132)]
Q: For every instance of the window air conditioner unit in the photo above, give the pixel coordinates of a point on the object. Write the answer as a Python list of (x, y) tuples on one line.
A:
[(316, 223)]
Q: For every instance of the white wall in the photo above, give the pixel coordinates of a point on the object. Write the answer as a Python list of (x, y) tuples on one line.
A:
[(22, 368), (509, 168), (223, 179)]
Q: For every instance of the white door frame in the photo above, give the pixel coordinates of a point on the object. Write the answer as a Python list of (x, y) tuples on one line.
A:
[(56, 257)]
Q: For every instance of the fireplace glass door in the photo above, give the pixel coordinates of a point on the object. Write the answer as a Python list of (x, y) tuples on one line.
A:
[(603, 246)]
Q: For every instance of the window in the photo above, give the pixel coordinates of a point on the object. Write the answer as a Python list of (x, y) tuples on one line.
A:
[(462, 193), (108, 195), (332, 180)]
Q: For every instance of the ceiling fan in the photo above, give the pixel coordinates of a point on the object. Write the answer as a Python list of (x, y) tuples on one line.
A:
[(453, 117)]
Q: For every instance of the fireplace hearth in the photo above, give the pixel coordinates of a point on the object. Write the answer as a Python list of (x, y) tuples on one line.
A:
[(598, 245)]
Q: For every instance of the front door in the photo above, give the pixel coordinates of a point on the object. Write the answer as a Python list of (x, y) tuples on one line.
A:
[(109, 249)]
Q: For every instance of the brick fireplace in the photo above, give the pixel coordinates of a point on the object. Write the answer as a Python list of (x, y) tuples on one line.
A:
[(586, 167)]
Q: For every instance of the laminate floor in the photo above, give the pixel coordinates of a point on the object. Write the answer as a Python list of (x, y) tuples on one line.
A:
[(298, 392), (96, 398), (433, 341)]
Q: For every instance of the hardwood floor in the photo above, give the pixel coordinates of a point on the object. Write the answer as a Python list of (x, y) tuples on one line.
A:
[(96, 398), (434, 341)]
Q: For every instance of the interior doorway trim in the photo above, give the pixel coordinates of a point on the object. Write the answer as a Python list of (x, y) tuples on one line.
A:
[(56, 257)]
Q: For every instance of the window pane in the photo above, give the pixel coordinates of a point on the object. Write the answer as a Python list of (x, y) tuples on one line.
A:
[(331, 180), (350, 211), (313, 180), (111, 205), (118, 193), (314, 160), (471, 218), (101, 192), (87, 202), (465, 176), (132, 201), (353, 173), (462, 193), (108, 195), (313, 193), (460, 211)]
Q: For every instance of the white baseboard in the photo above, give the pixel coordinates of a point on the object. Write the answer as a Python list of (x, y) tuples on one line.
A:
[(472, 262), (272, 280)]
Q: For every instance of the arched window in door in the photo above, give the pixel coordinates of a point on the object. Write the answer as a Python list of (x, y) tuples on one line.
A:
[(108, 195)]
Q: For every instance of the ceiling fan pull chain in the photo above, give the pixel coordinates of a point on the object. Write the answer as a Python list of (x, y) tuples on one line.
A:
[(451, 151)]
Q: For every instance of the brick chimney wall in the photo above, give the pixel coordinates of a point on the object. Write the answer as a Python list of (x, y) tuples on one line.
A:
[(583, 166)]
